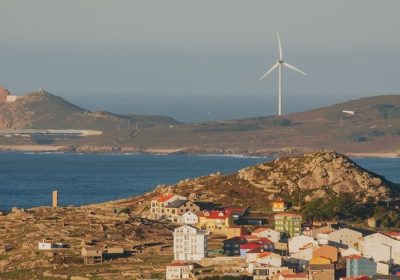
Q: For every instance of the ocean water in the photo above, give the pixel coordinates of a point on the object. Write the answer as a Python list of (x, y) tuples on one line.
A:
[(27, 180)]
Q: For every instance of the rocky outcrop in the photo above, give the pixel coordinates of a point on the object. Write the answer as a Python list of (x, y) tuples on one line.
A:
[(317, 174)]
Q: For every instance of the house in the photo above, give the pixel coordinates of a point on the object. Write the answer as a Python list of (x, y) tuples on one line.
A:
[(314, 232), (177, 208), (231, 246), (190, 243), (344, 238), (321, 271), (157, 205), (358, 266), (271, 234), (92, 255), (263, 243), (320, 260), (190, 218), (278, 205), (179, 270), (236, 213), (348, 252), (216, 222), (269, 258), (327, 252), (51, 246), (381, 247), (265, 272), (233, 231), (305, 253), (297, 242), (288, 223), (293, 276), (383, 268)]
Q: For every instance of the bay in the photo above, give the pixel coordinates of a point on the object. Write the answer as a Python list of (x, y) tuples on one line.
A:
[(27, 180)]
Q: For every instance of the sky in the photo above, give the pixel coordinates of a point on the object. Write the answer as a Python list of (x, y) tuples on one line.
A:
[(199, 60)]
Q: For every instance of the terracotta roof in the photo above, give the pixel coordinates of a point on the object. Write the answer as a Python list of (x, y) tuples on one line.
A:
[(354, 257), (256, 250), (392, 233), (251, 245), (258, 230), (178, 263), (263, 254), (165, 197)]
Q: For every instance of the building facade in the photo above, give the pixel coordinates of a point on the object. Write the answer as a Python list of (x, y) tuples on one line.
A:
[(190, 243), (358, 266), (177, 208), (216, 222), (288, 223), (157, 206)]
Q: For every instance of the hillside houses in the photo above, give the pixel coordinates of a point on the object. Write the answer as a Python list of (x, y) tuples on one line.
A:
[(285, 251)]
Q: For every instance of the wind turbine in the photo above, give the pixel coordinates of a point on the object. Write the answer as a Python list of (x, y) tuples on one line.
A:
[(280, 63)]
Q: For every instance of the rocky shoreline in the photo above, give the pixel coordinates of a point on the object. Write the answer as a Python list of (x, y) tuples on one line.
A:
[(88, 149)]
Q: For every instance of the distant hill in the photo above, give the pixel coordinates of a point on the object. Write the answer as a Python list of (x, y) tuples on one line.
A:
[(42, 110), (373, 129)]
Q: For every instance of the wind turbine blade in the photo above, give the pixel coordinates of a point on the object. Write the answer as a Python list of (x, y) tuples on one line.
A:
[(294, 68), (279, 45), (269, 71)]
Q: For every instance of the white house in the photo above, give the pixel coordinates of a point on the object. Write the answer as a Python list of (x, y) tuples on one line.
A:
[(305, 252), (190, 243), (297, 242), (190, 218), (269, 258), (349, 252), (345, 238), (381, 248), (271, 234), (157, 205), (45, 246), (179, 270)]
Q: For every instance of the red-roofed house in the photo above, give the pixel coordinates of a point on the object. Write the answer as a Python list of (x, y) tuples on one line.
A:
[(216, 222), (157, 207), (234, 231), (271, 234), (393, 234)]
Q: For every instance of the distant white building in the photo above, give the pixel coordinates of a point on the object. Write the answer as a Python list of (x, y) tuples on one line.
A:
[(190, 243), (190, 218), (50, 246), (179, 270), (301, 241), (345, 238), (381, 248), (271, 234)]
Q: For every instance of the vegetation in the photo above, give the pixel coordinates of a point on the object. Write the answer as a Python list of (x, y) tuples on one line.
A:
[(281, 122)]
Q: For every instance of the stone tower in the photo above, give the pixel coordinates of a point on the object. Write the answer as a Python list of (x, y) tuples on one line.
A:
[(55, 198)]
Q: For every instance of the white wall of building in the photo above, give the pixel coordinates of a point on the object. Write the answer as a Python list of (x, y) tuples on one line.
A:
[(190, 218), (190, 243), (271, 234), (381, 248), (297, 242)]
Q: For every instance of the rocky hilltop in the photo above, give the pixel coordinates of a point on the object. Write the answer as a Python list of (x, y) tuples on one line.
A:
[(322, 176)]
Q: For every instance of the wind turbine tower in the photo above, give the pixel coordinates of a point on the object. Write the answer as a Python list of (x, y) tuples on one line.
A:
[(280, 63)]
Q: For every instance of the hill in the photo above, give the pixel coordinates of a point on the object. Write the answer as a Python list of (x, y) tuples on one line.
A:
[(42, 110), (319, 185), (373, 129)]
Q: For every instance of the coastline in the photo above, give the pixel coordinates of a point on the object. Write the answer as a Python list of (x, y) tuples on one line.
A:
[(176, 151)]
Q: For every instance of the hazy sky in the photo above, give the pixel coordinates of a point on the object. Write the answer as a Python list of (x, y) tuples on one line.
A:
[(199, 60)]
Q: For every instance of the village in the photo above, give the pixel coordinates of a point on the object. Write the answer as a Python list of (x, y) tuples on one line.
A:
[(182, 239)]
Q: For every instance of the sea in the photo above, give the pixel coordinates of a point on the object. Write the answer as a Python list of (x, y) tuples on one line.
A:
[(28, 179)]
